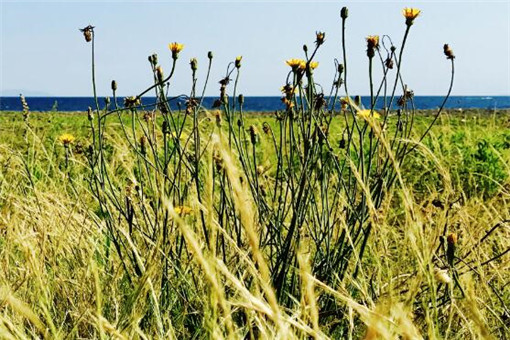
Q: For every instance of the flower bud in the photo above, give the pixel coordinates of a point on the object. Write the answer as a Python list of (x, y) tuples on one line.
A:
[(90, 114), (210, 55), (253, 134), (340, 68), (217, 115), (241, 99), (165, 128), (450, 250), (305, 48), (344, 13), (341, 144), (154, 59), (159, 74), (194, 64), (143, 145), (114, 85), (238, 61)]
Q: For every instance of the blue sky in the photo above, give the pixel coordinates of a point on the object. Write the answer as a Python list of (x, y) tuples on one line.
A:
[(43, 51)]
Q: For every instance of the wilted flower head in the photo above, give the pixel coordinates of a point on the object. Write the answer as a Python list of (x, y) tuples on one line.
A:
[(320, 37), (66, 139), (373, 41), (288, 102), (175, 47), (132, 101), (372, 44), (410, 14), (238, 61), (448, 52), (87, 32), (452, 238)]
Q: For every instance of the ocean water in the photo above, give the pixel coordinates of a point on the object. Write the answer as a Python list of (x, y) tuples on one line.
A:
[(250, 103)]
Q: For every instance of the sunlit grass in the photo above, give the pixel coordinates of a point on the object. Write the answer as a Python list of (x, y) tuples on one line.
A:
[(324, 219)]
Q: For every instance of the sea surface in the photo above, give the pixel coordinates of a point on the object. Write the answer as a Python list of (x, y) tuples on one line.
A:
[(250, 103)]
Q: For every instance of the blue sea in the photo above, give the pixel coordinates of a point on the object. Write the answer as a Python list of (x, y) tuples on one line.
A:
[(250, 103)]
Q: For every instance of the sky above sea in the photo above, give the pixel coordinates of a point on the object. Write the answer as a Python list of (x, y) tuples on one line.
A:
[(43, 52)]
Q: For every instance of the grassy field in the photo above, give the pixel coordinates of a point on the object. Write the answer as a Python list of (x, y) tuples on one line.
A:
[(322, 220), (78, 262)]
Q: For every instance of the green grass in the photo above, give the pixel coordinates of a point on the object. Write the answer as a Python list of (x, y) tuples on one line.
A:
[(61, 276)]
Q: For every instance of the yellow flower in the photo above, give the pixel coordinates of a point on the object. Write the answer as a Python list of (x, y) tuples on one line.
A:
[(365, 114), (314, 64), (410, 14), (296, 63), (175, 47), (66, 139), (182, 210)]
